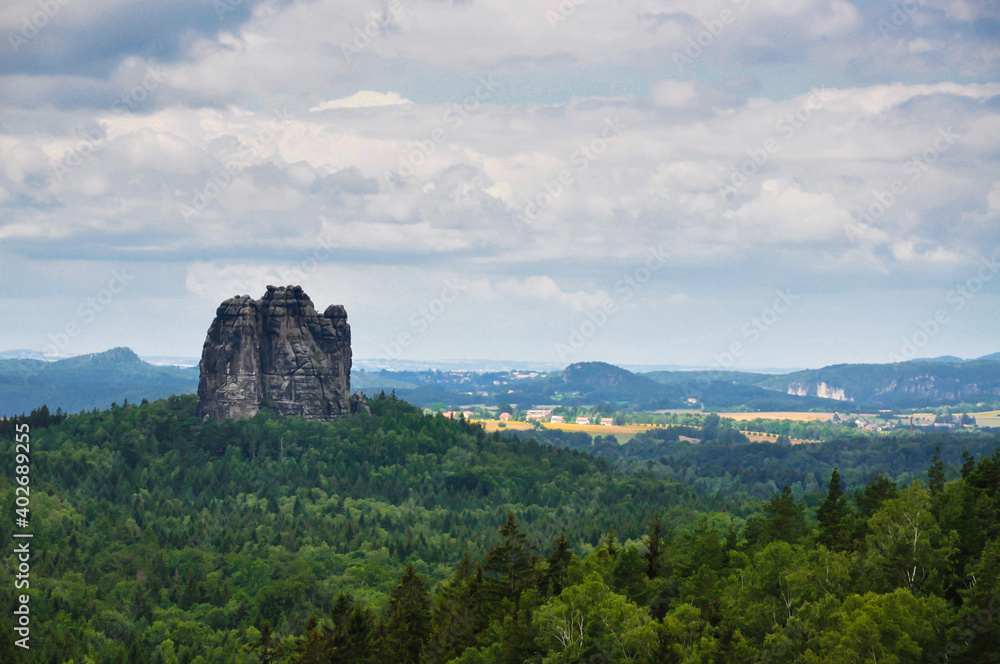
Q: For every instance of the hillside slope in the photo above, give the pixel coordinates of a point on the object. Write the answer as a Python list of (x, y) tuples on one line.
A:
[(904, 384), (88, 381)]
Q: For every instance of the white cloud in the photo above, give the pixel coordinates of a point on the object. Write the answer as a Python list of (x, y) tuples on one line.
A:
[(783, 213), (545, 289), (362, 99), (373, 150), (674, 94)]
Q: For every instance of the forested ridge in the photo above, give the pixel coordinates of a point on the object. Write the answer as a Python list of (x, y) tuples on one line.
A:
[(403, 537)]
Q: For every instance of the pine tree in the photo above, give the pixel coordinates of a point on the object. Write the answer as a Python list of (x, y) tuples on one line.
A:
[(407, 622), (968, 464), (518, 638), (347, 639), (610, 542), (558, 566), (878, 490), (935, 474), (833, 514), (510, 566), (459, 615), (783, 518), (869, 499), (267, 646), (654, 547)]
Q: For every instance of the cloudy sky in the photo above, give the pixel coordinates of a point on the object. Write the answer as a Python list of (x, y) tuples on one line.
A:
[(746, 183)]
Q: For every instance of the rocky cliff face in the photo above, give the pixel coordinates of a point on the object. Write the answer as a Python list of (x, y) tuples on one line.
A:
[(819, 389), (277, 350)]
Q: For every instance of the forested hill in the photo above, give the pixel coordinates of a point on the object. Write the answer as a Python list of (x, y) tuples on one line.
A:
[(152, 525), (87, 381), (903, 384), (400, 537)]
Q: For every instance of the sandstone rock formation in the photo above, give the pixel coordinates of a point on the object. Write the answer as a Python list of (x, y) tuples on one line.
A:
[(277, 351)]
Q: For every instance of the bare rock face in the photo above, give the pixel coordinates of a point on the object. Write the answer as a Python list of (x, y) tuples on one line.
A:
[(280, 352)]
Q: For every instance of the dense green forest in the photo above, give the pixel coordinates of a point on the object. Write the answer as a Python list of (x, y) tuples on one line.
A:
[(402, 537), (726, 464)]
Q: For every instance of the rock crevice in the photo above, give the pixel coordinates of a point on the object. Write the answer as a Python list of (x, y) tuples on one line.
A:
[(279, 352)]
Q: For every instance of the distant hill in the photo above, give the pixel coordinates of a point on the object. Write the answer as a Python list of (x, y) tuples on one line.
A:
[(595, 382), (919, 383), (599, 381), (95, 380), (904, 384), (88, 381), (949, 359)]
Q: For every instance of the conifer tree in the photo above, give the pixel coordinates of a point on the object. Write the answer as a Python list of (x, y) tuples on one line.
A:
[(267, 647), (783, 520), (558, 566), (654, 549), (610, 542), (935, 474), (833, 514), (509, 567), (407, 623)]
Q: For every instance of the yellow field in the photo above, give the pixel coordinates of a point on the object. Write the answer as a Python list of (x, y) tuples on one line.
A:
[(990, 418), (779, 415), (623, 433), (494, 425)]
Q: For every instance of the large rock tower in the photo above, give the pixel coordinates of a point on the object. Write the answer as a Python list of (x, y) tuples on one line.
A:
[(280, 352)]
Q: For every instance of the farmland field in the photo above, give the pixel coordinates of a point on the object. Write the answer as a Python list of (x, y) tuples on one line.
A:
[(987, 419), (494, 425), (623, 433), (779, 415)]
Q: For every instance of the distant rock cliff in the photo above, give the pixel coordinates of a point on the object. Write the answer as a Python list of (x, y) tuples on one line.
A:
[(902, 384), (277, 351), (819, 389)]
